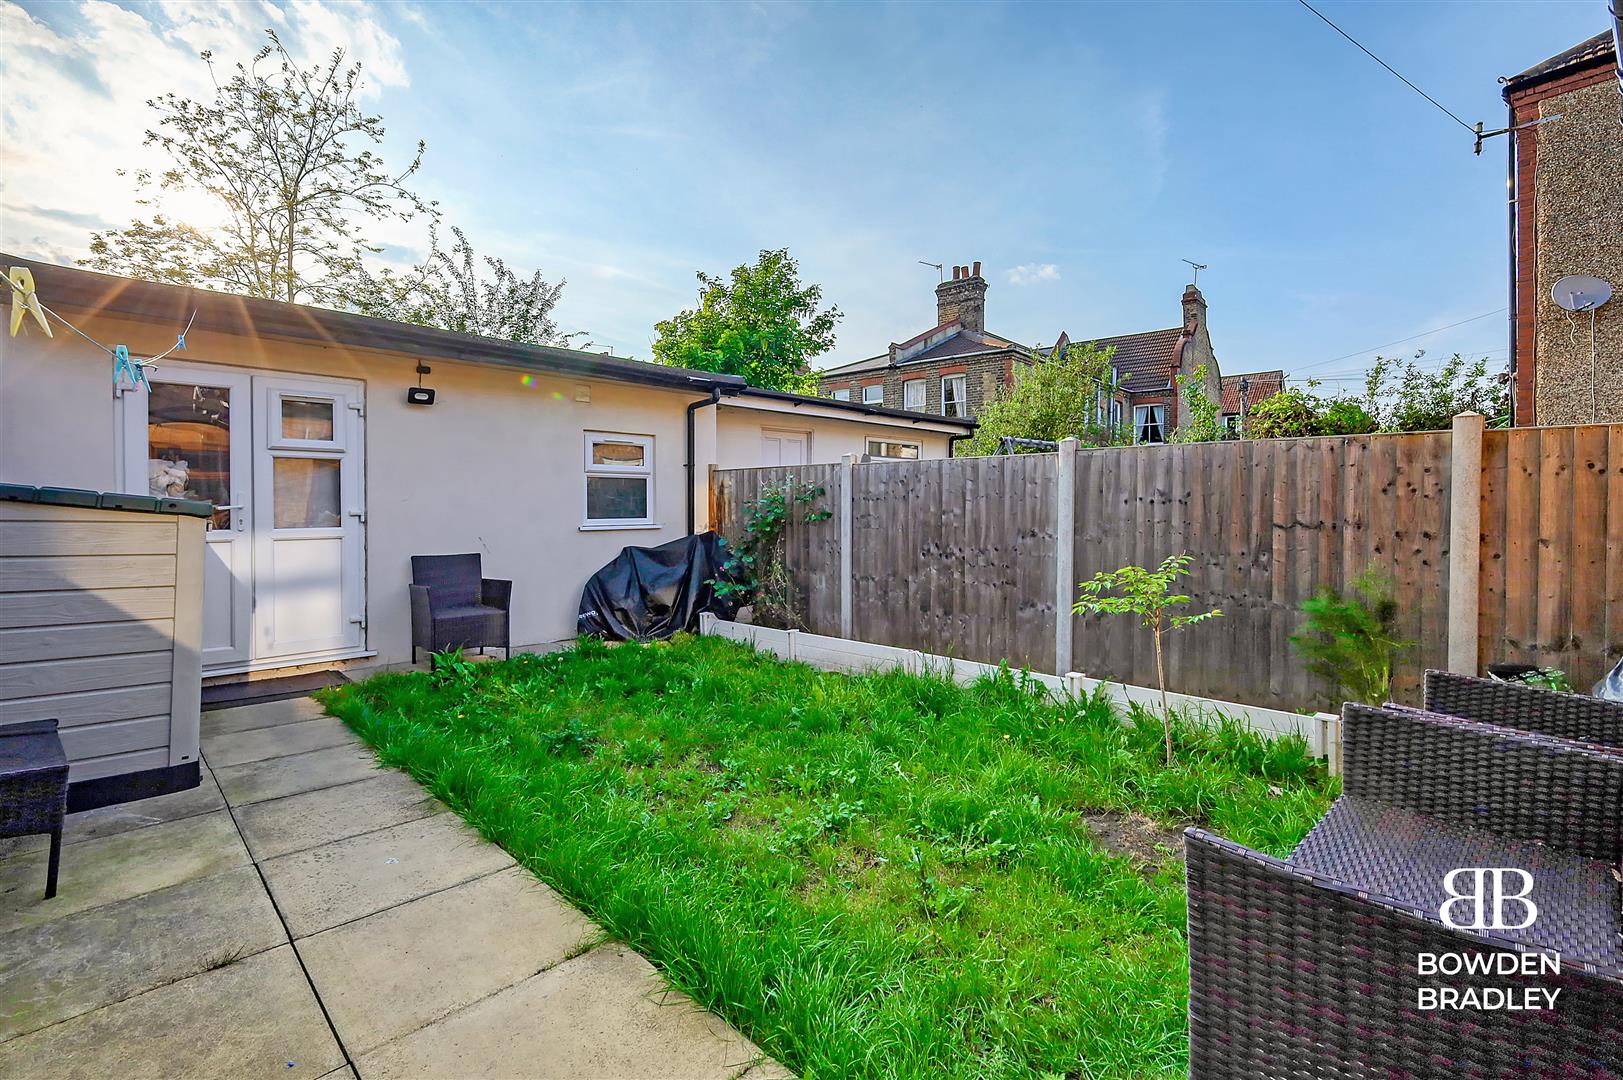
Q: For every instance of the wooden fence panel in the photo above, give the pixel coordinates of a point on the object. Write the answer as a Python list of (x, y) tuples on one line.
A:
[(1552, 549), (957, 557)]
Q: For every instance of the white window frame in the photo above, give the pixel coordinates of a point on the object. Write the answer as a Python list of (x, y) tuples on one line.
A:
[(645, 470), (878, 388), (961, 400), (922, 386), (841, 395), (918, 449), (277, 441), (1141, 414)]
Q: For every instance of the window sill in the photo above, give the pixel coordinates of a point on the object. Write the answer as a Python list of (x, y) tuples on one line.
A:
[(629, 526)]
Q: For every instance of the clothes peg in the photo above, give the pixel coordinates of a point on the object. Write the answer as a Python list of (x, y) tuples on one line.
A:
[(24, 300), (123, 365)]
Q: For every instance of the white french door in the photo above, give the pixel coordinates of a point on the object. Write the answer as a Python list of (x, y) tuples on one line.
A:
[(280, 456)]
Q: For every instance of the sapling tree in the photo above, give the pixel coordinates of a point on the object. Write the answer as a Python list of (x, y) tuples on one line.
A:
[(1133, 590)]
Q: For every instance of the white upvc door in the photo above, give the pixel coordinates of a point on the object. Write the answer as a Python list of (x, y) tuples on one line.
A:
[(784, 447), (308, 541), (280, 456), (190, 437)]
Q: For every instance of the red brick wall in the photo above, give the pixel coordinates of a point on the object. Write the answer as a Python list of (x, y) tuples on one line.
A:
[(1525, 109)]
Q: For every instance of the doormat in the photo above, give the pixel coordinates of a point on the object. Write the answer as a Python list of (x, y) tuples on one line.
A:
[(254, 691)]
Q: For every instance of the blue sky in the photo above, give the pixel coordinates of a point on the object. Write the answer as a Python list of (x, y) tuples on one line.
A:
[(1077, 151)]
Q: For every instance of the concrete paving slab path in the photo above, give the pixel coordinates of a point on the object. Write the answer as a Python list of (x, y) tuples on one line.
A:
[(313, 818), (80, 962), (312, 915)]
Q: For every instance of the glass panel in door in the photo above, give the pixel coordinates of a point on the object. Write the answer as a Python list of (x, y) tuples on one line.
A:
[(189, 445)]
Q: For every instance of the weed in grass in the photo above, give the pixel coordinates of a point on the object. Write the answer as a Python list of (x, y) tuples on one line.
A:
[(882, 875)]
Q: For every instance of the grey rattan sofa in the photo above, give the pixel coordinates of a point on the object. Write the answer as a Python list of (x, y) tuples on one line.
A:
[(1308, 968), (1516, 705)]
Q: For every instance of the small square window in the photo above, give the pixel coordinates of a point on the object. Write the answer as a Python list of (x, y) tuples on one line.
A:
[(619, 479), (913, 395), (873, 395), (841, 395), (307, 419)]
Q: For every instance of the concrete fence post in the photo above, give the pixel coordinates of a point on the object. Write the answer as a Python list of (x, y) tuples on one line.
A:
[(1064, 555), (847, 470), (1464, 541)]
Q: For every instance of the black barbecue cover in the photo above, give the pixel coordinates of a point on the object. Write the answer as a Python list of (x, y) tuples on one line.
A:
[(648, 593)]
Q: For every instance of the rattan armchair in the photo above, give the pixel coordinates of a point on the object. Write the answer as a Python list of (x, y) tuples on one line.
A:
[(454, 607), (1308, 968), (1528, 708)]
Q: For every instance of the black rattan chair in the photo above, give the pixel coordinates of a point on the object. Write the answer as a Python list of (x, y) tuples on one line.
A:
[(1308, 968), (34, 787), (1529, 708), (454, 607)]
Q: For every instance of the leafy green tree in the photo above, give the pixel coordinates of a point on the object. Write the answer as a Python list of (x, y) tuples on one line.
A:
[(1292, 413), (1148, 594), (1345, 416), (451, 291), (1404, 397), (1203, 423), (287, 156), (1350, 641), (759, 322), (1053, 399)]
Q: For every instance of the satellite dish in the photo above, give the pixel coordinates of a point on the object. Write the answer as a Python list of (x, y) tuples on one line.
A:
[(1580, 292)]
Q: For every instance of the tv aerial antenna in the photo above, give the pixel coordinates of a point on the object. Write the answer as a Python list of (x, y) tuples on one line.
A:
[(1198, 268), (939, 271)]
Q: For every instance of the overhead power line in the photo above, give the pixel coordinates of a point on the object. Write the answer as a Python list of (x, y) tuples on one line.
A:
[(1388, 67), (1399, 341)]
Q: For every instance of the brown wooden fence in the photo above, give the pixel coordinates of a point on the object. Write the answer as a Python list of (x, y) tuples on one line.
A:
[(962, 557), (1552, 548)]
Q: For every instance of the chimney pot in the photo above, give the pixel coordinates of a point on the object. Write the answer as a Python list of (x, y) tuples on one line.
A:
[(963, 299)]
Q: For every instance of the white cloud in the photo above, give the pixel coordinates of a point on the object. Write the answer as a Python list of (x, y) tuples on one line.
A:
[(1031, 273), (74, 112)]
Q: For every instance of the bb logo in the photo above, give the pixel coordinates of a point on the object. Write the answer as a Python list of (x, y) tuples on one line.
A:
[(1488, 898)]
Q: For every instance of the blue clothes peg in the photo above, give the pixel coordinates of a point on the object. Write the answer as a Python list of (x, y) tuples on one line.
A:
[(123, 365)]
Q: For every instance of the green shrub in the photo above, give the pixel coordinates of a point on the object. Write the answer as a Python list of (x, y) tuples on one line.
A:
[(1351, 641)]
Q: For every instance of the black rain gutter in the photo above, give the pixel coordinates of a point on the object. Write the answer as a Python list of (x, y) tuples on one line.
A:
[(693, 408), (1511, 199)]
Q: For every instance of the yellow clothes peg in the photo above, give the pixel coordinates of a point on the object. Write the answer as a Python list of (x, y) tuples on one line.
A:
[(23, 300)]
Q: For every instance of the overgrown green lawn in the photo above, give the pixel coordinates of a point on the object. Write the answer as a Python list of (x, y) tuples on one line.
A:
[(874, 876)]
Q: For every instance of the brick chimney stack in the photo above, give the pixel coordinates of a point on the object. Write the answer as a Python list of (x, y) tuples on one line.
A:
[(963, 299), (1194, 311)]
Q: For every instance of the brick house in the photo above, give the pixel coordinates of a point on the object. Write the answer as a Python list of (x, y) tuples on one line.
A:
[(1242, 392), (1566, 218), (957, 366)]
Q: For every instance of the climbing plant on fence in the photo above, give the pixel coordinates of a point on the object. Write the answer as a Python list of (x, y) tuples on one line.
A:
[(755, 558)]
